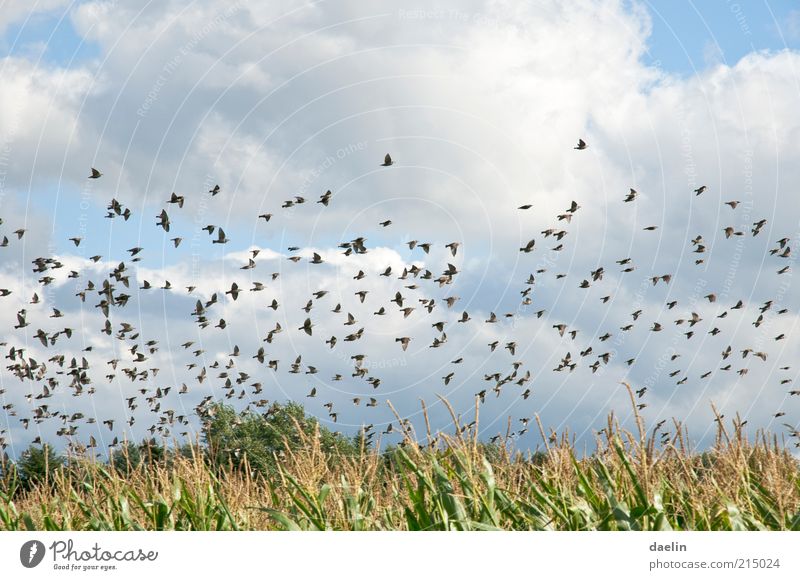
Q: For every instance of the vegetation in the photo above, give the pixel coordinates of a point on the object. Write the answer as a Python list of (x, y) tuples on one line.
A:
[(37, 466), (263, 440), (282, 470)]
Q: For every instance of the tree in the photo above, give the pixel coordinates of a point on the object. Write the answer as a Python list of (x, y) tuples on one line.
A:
[(127, 458), (131, 456), (152, 452), (232, 437), (38, 464)]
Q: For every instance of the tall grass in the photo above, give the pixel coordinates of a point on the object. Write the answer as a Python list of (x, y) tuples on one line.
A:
[(633, 481)]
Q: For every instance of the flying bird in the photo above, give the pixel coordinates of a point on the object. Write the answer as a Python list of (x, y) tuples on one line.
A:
[(307, 326)]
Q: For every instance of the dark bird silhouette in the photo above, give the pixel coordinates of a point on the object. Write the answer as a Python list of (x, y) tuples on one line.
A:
[(307, 326)]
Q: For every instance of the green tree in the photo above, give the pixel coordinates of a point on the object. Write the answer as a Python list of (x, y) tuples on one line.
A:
[(131, 456), (38, 464), (232, 437), (152, 452), (127, 458)]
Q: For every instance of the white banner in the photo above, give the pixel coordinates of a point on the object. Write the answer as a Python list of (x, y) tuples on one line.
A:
[(399, 555)]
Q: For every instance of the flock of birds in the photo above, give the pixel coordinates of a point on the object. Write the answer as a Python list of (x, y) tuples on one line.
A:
[(67, 372)]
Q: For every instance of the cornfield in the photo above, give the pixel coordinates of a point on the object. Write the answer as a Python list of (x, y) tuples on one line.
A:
[(632, 481)]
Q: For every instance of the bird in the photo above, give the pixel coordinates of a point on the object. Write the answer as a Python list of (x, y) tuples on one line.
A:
[(307, 326), (176, 199), (387, 161), (95, 174), (453, 246), (163, 220), (221, 237), (581, 144)]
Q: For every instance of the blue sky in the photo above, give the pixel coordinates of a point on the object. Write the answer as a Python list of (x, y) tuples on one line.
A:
[(481, 109), (685, 34), (51, 35)]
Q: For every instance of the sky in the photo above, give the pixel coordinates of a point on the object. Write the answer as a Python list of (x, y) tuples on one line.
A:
[(480, 104)]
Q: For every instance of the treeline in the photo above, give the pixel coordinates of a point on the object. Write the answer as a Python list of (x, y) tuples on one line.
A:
[(250, 441)]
